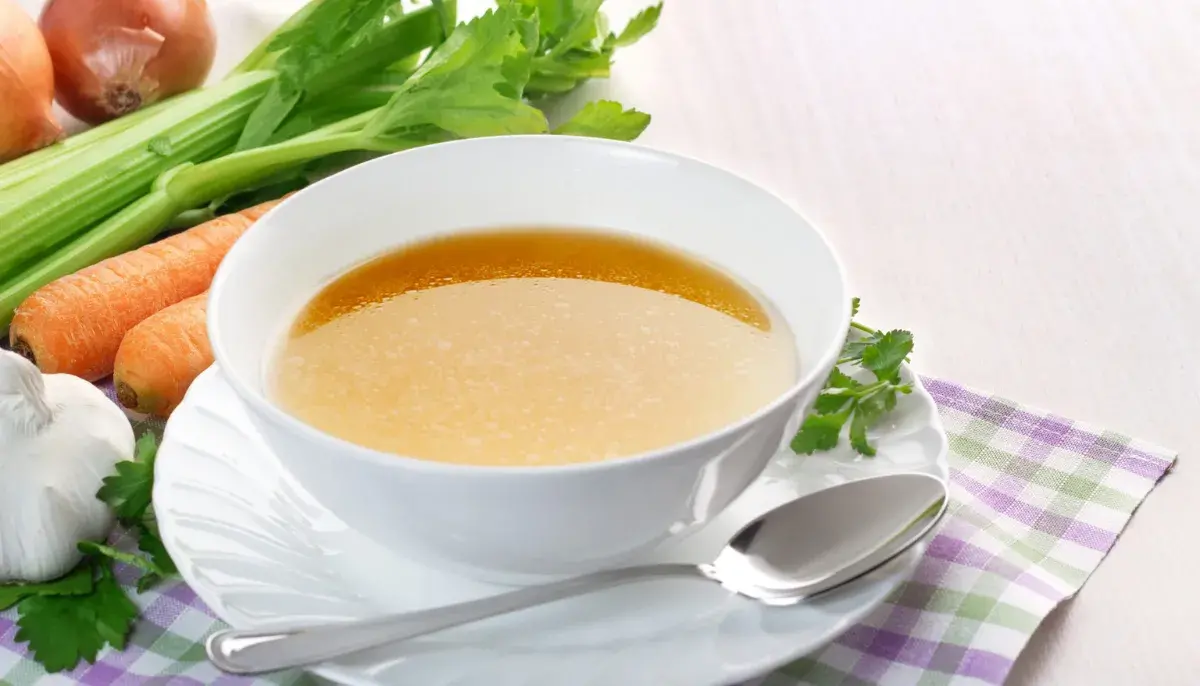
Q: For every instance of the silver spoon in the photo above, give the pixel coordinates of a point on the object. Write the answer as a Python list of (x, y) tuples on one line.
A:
[(804, 547)]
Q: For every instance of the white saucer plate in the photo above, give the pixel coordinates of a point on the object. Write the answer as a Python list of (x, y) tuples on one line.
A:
[(260, 552)]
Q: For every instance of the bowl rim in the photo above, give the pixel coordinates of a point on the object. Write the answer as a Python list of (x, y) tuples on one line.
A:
[(258, 403)]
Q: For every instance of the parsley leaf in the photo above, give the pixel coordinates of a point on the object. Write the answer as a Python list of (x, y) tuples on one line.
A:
[(886, 353), (128, 491), (846, 399), (819, 432), (858, 434), (852, 351), (77, 582), (606, 119), (62, 630), (643, 23), (834, 398)]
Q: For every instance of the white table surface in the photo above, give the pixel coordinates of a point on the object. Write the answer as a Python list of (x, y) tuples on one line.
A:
[(1018, 182)]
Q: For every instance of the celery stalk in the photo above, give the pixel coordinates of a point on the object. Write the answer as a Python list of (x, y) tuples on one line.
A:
[(111, 173), (184, 187), (51, 198), (29, 166), (189, 186)]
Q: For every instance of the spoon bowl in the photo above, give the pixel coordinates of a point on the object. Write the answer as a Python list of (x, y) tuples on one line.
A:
[(821, 540), (800, 549)]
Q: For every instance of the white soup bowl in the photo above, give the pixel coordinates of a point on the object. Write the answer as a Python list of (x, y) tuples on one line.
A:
[(522, 522)]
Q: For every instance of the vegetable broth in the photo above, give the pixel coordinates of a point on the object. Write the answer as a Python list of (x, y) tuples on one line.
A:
[(531, 348)]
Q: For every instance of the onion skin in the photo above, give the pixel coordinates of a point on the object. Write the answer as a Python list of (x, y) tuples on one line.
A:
[(112, 57), (26, 85)]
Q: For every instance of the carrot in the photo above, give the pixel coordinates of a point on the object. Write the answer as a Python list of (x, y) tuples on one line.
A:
[(161, 356), (75, 324)]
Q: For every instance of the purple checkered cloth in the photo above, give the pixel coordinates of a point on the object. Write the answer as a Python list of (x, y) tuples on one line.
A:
[(1037, 502)]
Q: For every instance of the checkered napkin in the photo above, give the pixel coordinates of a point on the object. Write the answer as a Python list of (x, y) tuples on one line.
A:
[(1037, 502)]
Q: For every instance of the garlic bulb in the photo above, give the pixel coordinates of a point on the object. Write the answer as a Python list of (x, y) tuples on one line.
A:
[(59, 437)]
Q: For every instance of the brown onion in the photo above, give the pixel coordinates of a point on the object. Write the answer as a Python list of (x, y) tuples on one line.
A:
[(113, 56), (26, 85)]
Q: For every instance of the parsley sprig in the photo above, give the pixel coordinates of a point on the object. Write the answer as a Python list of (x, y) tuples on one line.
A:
[(128, 493), (63, 629), (856, 398), (74, 617)]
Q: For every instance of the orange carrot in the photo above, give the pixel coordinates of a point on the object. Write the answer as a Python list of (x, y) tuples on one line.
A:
[(75, 324), (161, 356)]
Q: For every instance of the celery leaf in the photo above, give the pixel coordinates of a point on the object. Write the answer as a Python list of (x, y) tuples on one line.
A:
[(313, 48), (643, 23), (472, 85), (606, 119)]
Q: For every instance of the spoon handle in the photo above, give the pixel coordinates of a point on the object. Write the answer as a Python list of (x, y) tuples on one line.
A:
[(267, 650)]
